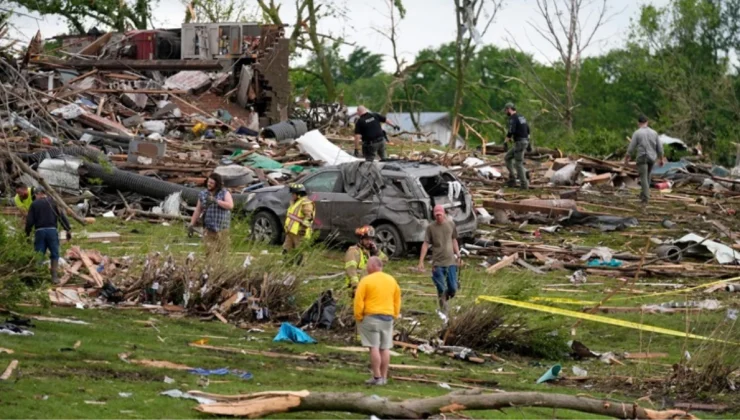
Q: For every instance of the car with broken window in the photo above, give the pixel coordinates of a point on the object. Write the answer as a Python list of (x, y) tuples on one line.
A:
[(395, 197)]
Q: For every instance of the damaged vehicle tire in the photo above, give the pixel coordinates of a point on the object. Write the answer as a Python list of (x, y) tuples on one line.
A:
[(266, 228), (389, 240)]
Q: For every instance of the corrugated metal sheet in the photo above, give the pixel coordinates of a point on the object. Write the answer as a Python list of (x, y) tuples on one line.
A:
[(424, 118)]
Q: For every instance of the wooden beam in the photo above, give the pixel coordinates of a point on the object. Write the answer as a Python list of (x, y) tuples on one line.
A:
[(505, 262), (9, 370)]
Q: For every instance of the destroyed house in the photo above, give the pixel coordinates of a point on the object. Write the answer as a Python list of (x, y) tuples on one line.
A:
[(248, 62)]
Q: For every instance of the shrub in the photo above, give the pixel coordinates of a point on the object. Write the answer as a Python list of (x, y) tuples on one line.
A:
[(20, 273)]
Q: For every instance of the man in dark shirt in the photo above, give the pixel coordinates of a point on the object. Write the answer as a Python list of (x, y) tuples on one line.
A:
[(368, 129), (44, 216), (519, 134)]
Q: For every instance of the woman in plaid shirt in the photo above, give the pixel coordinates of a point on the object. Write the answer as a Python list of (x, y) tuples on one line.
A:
[(214, 204)]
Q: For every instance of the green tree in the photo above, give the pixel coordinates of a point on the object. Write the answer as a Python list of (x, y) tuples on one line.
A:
[(119, 15), (360, 64), (690, 44)]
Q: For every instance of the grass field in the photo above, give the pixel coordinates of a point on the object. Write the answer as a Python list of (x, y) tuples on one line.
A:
[(56, 380)]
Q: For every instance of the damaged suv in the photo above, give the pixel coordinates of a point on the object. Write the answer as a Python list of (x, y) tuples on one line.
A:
[(396, 197)]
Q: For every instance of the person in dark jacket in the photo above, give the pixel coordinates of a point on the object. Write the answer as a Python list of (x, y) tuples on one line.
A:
[(368, 128), (518, 133), (44, 216)]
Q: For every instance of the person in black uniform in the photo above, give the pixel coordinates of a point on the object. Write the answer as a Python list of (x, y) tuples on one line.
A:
[(519, 133), (368, 129)]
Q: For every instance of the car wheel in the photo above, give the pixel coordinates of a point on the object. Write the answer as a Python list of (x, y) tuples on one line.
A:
[(266, 228), (389, 240)]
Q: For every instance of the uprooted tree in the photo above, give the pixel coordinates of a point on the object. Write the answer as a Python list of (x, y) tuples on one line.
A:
[(263, 404)]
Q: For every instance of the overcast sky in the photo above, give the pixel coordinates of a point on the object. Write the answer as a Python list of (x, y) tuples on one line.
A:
[(428, 23)]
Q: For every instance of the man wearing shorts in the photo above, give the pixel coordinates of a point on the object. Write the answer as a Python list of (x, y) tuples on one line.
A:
[(377, 304), (442, 237)]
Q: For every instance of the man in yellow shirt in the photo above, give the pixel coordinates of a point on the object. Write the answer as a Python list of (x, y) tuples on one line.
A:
[(377, 304), (23, 198)]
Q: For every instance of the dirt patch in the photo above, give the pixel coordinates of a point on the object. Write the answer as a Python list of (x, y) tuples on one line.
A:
[(99, 373)]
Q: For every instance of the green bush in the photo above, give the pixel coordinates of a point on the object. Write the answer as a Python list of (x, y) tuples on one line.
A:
[(20, 273)]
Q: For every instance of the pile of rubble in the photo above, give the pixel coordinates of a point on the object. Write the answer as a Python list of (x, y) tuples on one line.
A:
[(113, 133), (174, 285)]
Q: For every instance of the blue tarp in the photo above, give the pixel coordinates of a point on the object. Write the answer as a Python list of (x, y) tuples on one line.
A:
[(295, 335), (669, 167), (600, 263), (221, 372)]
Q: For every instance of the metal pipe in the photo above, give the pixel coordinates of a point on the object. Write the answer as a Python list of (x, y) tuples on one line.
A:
[(117, 179), (669, 252)]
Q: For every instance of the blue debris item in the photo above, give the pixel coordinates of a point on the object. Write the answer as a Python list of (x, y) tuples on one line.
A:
[(601, 263), (295, 335), (221, 372), (244, 131), (210, 134), (551, 374), (208, 372), (720, 171), (224, 115), (670, 167), (243, 375)]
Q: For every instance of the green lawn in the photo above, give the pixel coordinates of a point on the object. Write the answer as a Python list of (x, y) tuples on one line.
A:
[(59, 383)]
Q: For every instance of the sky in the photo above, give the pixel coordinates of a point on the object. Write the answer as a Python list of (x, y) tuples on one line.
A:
[(428, 24)]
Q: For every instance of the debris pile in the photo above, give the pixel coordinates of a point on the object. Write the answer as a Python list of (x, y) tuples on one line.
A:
[(235, 294)]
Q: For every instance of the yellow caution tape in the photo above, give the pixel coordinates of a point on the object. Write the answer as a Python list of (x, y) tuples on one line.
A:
[(564, 301), (595, 318), (677, 291)]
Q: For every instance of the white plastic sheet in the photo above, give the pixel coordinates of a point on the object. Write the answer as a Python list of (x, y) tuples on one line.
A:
[(69, 112), (564, 175), (61, 173), (318, 147), (723, 253), (485, 171)]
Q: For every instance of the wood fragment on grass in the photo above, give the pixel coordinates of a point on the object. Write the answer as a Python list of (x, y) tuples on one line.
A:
[(505, 262), (9, 370)]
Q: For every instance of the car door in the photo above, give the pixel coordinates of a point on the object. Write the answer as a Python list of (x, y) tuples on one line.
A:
[(322, 190)]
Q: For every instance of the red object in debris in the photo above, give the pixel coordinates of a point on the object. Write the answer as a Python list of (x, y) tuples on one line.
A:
[(663, 185), (145, 44), (46, 141), (731, 212), (537, 233)]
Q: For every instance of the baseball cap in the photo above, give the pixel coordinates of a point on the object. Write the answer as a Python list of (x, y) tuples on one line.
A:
[(509, 105), (439, 209), (40, 189), (642, 119)]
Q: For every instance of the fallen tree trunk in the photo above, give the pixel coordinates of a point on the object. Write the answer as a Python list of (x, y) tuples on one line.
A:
[(261, 405)]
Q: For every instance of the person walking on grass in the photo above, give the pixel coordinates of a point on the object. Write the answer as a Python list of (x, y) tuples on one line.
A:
[(44, 216), (518, 132), (441, 235), (214, 204), (646, 143), (377, 304)]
